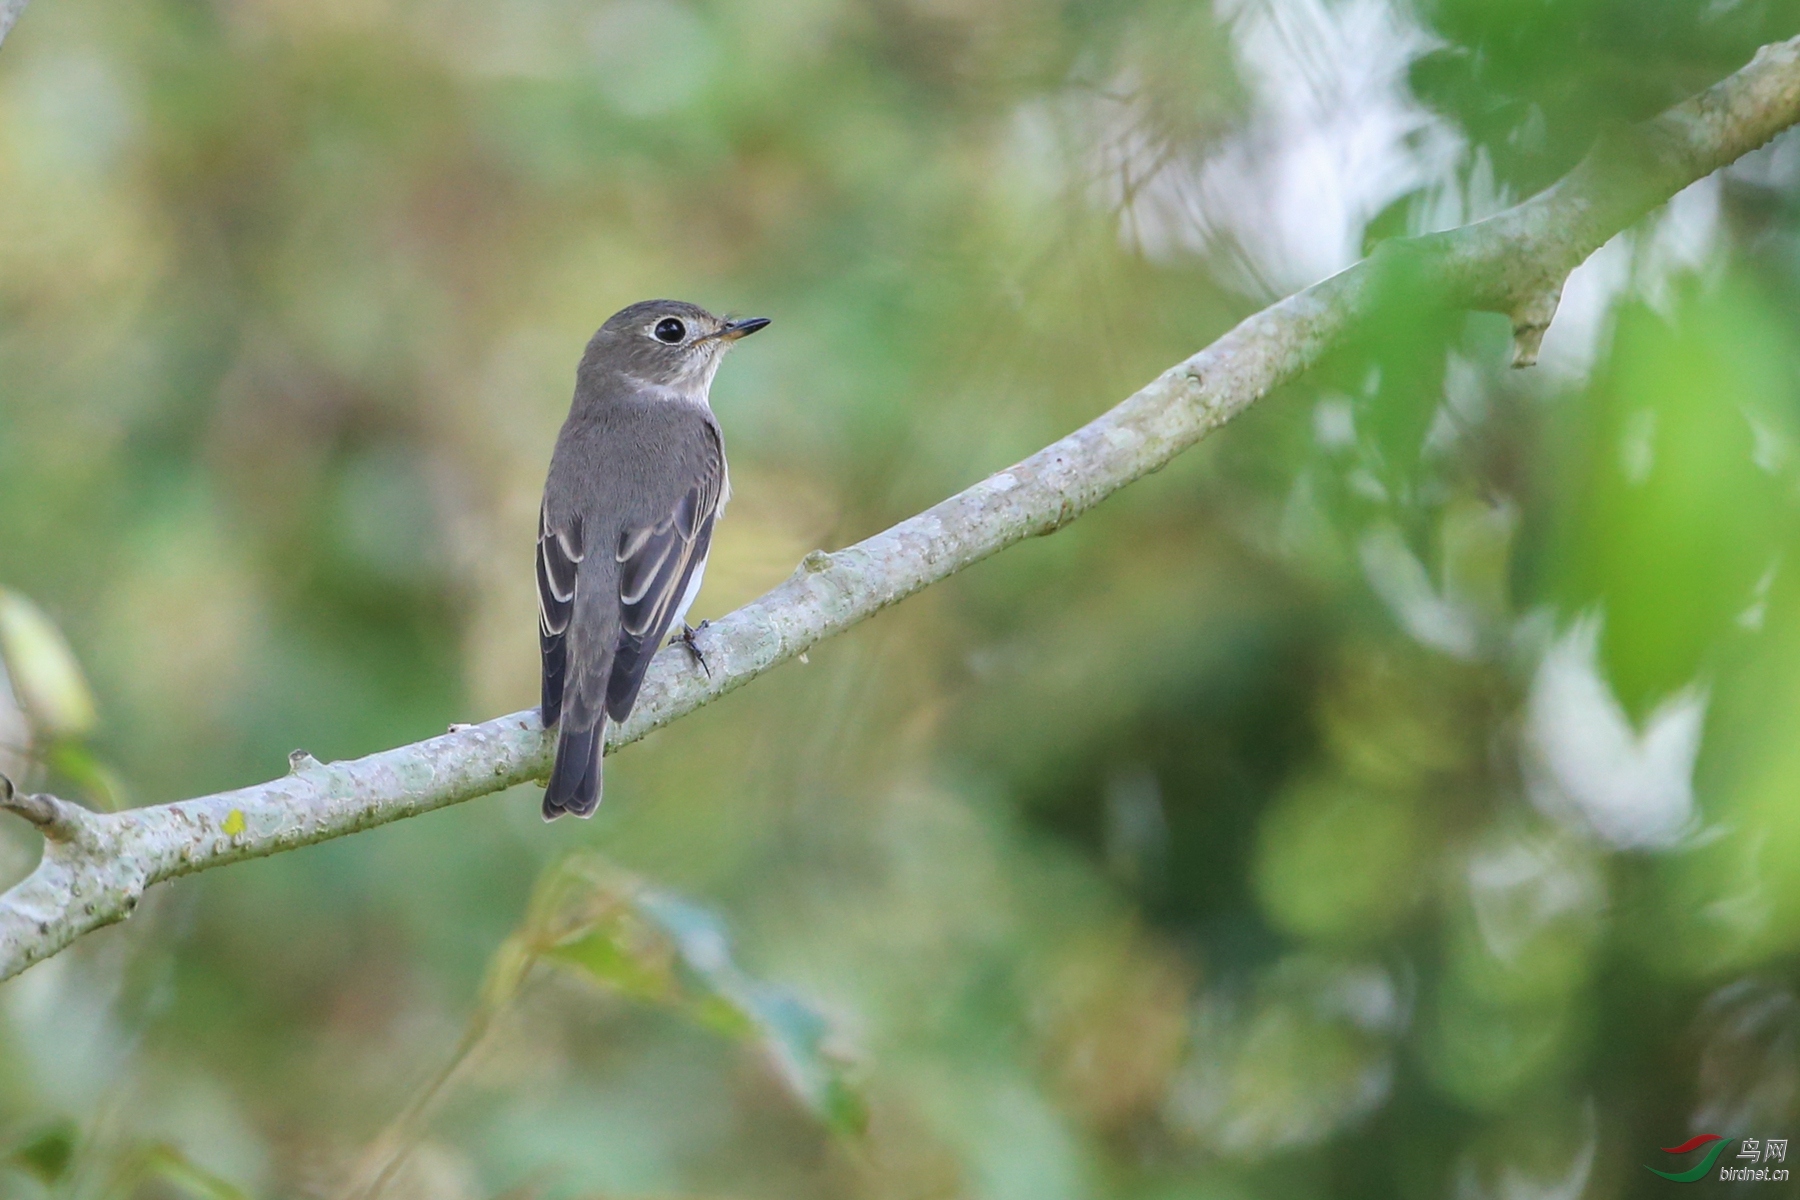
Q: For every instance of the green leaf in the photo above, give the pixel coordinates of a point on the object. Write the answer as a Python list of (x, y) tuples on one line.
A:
[(45, 675), (1678, 506), (46, 1154), (620, 953), (662, 949), (99, 782), (798, 1038)]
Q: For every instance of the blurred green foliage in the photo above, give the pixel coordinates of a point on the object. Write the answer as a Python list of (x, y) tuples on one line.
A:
[(1397, 796)]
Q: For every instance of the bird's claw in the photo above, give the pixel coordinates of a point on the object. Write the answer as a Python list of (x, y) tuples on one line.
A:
[(686, 638)]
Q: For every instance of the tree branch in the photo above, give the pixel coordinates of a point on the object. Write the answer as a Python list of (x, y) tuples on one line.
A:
[(96, 865)]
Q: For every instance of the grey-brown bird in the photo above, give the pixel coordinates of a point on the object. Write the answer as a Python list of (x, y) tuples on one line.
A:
[(636, 482)]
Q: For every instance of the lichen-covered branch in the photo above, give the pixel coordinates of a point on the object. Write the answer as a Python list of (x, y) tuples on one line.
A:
[(96, 866)]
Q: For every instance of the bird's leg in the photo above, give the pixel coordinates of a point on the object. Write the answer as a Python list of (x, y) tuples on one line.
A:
[(686, 638)]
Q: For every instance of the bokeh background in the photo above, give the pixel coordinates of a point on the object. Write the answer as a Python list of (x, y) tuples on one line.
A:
[(1399, 796)]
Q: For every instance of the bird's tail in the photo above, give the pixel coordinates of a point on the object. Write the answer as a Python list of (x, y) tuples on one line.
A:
[(575, 780)]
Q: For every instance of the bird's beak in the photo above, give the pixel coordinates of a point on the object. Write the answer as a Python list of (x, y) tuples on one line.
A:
[(734, 330)]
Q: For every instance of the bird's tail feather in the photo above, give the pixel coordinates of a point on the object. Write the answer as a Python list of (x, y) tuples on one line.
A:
[(576, 779)]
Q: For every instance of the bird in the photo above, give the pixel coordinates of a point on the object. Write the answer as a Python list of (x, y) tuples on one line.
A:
[(636, 482)]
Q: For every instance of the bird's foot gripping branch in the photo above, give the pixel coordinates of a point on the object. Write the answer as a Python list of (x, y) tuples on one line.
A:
[(95, 866)]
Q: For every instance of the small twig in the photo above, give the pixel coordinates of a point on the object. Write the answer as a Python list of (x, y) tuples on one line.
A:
[(56, 819), (302, 760), (1530, 318)]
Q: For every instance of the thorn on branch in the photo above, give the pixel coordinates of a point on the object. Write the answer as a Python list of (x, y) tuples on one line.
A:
[(56, 819), (301, 760), (1529, 320)]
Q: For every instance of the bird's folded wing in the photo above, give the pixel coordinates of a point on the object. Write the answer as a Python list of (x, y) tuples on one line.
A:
[(559, 553), (656, 564)]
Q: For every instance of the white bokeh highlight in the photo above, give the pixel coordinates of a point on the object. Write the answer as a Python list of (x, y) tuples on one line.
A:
[(1334, 136), (1588, 767)]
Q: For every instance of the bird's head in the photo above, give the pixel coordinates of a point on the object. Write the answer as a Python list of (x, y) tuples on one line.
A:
[(666, 343)]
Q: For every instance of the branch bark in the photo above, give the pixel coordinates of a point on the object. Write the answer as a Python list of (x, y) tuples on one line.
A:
[(95, 866)]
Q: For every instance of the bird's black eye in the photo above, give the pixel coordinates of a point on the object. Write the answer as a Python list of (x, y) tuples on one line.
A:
[(670, 330)]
